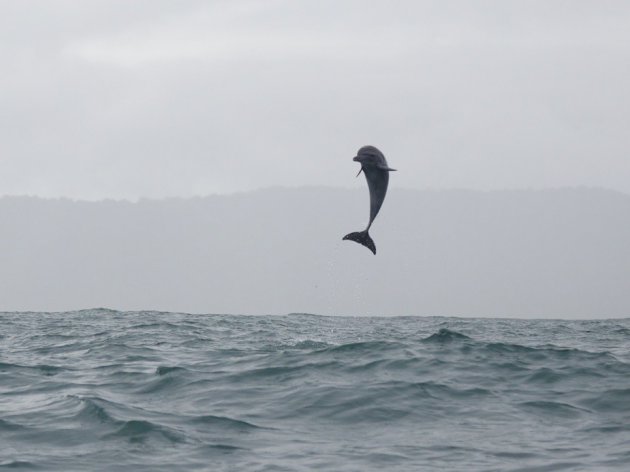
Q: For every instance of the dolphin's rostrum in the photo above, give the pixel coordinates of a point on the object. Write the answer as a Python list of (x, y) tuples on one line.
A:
[(376, 170)]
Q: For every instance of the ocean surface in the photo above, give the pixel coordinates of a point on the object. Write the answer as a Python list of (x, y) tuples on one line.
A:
[(147, 391)]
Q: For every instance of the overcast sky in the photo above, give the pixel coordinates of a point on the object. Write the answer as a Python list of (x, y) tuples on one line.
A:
[(153, 98)]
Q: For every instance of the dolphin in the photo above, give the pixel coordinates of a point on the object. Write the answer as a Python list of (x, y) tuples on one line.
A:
[(376, 170)]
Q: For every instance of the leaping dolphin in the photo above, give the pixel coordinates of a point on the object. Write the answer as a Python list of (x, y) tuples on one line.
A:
[(376, 170)]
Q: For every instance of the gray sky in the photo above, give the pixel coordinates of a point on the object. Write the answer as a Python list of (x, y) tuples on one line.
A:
[(128, 98)]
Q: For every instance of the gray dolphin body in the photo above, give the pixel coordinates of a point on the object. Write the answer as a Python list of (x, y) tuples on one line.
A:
[(376, 170)]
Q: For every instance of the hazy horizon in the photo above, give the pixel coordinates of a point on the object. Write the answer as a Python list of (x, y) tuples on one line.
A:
[(314, 186), (526, 254)]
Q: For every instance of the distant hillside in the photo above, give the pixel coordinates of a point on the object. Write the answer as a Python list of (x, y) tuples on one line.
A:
[(551, 253)]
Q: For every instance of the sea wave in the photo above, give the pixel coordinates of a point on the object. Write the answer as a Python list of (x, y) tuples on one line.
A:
[(107, 390)]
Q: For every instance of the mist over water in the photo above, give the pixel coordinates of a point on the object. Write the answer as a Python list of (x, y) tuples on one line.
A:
[(107, 390), (521, 254)]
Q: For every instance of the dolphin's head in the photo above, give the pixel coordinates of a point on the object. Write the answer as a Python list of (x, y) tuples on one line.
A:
[(370, 156)]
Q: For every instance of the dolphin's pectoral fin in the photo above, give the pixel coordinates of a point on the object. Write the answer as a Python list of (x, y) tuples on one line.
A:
[(360, 170), (382, 167), (363, 238)]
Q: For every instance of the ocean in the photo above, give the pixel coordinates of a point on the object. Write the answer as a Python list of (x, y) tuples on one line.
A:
[(106, 390)]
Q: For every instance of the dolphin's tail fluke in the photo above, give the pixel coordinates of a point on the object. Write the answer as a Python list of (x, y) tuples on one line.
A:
[(362, 237)]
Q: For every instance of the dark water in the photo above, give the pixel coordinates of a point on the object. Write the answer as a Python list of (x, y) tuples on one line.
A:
[(106, 390)]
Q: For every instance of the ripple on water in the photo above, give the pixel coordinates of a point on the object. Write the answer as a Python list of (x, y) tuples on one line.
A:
[(140, 431)]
